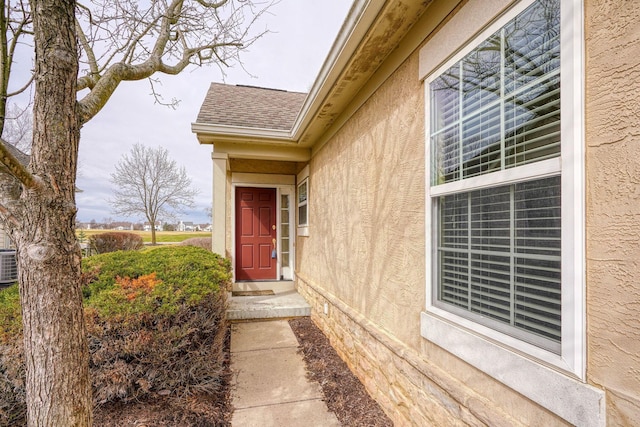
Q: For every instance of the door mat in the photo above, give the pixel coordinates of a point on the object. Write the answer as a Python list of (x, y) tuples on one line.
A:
[(252, 293)]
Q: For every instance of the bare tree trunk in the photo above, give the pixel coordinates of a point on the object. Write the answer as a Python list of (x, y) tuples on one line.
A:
[(153, 233), (56, 353)]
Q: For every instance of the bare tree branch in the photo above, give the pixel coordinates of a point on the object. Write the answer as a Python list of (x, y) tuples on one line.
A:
[(159, 37), (89, 80), (16, 169), (212, 5), (7, 216), (158, 97), (23, 88)]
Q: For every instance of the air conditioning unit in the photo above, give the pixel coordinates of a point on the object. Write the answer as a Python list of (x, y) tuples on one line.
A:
[(8, 266)]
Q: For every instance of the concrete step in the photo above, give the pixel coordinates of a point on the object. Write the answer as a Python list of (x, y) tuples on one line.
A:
[(276, 286), (284, 303)]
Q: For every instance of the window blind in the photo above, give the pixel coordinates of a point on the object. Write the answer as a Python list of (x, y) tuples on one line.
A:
[(499, 255), (499, 106)]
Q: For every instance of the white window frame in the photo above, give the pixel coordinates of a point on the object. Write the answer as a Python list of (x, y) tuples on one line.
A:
[(302, 179), (555, 381)]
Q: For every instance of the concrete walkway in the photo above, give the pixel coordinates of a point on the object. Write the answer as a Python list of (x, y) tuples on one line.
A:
[(271, 387)]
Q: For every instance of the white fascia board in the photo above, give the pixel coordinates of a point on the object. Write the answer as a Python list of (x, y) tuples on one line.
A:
[(241, 132), (291, 153), (360, 18)]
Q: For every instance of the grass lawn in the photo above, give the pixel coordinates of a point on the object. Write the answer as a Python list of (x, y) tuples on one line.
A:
[(161, 236)]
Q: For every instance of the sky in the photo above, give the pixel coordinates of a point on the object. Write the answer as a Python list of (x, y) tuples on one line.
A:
[(288, 58)]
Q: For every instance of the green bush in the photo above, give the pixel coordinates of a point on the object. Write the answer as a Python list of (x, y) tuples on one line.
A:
[(187, 275), (10, 318), (115, 241), (156, 325)]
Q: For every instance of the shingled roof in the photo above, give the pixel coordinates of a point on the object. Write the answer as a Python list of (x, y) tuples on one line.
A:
[(251, 107), (22, 157)]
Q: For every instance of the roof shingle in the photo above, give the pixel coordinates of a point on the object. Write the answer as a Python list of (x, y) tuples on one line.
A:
[(22, 157), (251, 107)]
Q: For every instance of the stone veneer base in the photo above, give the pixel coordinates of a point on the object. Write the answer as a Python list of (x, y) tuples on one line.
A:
[(411, 390)]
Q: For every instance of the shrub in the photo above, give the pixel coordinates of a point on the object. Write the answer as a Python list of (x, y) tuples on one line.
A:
[(12, 383), (110, 242), (187, 273), (156, 326), (199, 242)]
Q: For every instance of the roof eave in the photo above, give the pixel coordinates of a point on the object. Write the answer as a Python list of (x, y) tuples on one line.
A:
[(368, 36), (214, 132), (362, 15)]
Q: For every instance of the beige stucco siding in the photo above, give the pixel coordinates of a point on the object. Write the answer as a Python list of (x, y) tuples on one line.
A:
[(366, 242), (263, 167), (613, 204), (363, 264), (366, 250)]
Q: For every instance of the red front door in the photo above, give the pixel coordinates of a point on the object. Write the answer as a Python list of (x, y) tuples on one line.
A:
[(255, 233)]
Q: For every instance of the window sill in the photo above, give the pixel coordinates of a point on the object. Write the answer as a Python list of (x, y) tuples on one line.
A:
[(303, 231), (570, 399)]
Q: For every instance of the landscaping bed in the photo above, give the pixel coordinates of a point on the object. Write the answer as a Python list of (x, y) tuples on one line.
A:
[(157, 333), (343, 392), (159, 345)]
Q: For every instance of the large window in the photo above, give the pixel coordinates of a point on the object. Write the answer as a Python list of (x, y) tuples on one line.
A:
[(505, 199), (503, 187), (498, 224)]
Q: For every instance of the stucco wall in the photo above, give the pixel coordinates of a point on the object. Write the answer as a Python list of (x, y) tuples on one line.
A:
[(4, 240), (365, 258), (366, 227), (263, 166), (613, 204)]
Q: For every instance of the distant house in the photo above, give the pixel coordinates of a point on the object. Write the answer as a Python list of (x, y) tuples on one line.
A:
[(147, 226), (458, 199), (5, 241), (121, 225), (187, 226)]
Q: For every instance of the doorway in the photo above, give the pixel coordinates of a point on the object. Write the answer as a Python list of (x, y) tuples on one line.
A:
[(256, 234)]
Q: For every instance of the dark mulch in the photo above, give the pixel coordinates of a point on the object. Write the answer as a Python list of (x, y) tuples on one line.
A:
[(343, 392)]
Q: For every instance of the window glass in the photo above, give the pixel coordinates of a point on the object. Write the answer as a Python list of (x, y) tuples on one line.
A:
[(499, 106), (284, 230), (498, 244), (302, 203), (499, 256)]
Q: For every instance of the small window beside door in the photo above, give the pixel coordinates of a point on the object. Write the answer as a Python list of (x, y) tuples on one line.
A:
[(303, 193), (302, 202)]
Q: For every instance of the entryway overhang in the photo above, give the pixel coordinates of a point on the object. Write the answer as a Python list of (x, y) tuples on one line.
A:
[(368, 38), (292, 127)]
